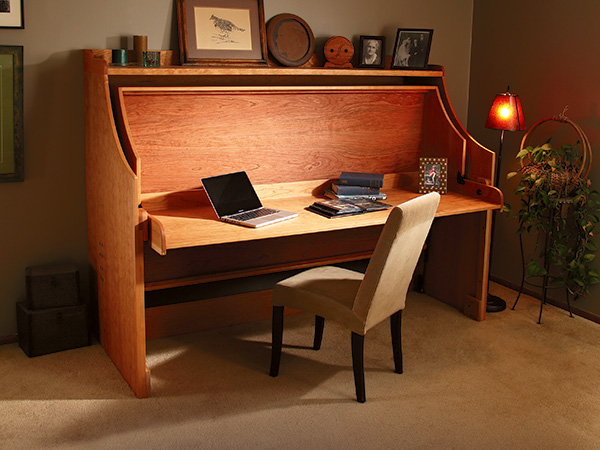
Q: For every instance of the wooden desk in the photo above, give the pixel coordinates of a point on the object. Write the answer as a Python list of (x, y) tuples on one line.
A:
[(151, 134)]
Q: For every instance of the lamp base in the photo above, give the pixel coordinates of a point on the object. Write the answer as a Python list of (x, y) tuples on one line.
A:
[(495, 304)]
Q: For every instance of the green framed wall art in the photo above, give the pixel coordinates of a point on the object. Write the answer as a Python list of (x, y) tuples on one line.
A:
[(11, 114)]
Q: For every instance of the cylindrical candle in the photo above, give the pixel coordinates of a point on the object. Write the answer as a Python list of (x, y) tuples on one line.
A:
[(119, 57), (140, 45)]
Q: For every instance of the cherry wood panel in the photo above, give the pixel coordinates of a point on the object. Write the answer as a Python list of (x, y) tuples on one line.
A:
[(171, 320), (453, 273), (114, 243), (281, 134), (258, 256)]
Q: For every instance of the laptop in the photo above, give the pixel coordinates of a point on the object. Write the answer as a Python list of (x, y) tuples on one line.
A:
[(234, 200)]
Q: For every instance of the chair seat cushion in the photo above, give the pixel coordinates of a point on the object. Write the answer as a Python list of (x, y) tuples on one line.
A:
[(327, 291)]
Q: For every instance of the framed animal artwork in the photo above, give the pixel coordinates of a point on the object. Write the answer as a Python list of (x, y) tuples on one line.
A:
[(222, 32), (11, 14)]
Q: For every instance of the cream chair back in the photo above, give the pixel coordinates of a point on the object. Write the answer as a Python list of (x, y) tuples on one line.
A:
[(388, 276)]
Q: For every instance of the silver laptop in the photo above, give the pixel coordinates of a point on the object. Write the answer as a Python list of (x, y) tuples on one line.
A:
[(234, 200)]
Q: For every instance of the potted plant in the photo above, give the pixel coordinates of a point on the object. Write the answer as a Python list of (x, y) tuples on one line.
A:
[(558, 203)]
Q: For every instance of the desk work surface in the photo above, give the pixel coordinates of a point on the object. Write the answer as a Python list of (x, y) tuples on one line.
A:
[(186, 219)]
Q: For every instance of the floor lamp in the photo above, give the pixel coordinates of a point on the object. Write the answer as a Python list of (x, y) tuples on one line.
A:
[(505, 115)]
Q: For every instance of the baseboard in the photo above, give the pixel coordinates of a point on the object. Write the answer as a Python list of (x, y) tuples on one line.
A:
[(9, 339), (554, 302)]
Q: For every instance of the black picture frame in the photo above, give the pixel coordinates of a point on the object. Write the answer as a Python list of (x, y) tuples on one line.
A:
[(364, 55), (222, 32), (11, 114), (11, 14), (433, 175), (411, 49)]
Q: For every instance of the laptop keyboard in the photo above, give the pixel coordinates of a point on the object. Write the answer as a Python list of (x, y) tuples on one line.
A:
[(254, 214)]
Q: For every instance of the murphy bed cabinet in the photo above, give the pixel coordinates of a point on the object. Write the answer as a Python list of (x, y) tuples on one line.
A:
[(162, 263)]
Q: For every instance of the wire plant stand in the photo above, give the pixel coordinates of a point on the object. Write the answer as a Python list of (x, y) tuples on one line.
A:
[(547, 280), (563, 183)]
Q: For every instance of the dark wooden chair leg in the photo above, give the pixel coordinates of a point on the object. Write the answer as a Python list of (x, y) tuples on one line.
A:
[(319, 324), (396, 326), (276, 339), (358, 345)]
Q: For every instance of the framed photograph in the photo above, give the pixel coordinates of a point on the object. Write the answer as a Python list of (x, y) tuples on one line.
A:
[(411, 50), (222, 32), (371, 52), (11, 14), (433, 175), (11, 113)]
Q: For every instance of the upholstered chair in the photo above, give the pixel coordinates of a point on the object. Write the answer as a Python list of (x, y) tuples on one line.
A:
[(357, 301)]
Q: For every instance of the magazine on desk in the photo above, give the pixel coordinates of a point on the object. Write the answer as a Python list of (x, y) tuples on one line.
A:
[(346, 207), (330, 194)]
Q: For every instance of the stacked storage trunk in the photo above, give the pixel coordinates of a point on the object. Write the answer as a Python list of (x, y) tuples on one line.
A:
[(53, 318)]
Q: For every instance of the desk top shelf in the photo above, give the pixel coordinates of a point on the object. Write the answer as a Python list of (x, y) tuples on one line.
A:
[(170, 68), (186, 219)]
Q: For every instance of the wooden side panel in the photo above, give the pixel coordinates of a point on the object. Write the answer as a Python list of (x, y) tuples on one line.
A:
[(480, 162), (442, 139), (114, 235), (456, 267), (275, 134)]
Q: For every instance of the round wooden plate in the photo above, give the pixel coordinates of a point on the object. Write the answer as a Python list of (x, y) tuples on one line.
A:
[(290, 40)]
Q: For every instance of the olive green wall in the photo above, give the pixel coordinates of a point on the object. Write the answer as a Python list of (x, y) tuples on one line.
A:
[(43, 218), (549, 56)]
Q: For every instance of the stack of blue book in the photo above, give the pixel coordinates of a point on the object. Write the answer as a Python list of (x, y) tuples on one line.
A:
[(357, 185)]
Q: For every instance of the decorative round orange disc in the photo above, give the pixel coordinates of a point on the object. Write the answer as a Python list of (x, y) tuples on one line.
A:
[(338, 50)]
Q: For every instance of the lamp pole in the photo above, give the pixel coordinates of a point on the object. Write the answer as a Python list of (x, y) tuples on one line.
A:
[(505, 115), (495, 303)]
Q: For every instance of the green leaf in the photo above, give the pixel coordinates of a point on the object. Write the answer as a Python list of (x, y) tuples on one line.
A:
[(533, 268)]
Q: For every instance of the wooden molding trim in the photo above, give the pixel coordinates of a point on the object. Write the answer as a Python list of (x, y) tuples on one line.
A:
[(554, 302), (9, 339)]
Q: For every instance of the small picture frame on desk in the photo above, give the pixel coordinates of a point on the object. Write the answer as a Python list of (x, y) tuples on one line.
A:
[(411, 50), (433, 175), (222, 32), (371, 53)]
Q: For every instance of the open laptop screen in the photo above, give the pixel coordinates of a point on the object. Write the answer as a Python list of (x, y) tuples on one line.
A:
[(231, 193)]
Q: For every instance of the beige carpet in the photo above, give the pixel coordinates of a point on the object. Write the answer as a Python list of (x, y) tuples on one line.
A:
[(505, 383)]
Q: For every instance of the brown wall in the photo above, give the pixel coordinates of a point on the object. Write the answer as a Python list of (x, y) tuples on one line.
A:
[(548, 53), (43, 219)]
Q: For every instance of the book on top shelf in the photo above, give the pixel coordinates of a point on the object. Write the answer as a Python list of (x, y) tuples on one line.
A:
[(374, 180)]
